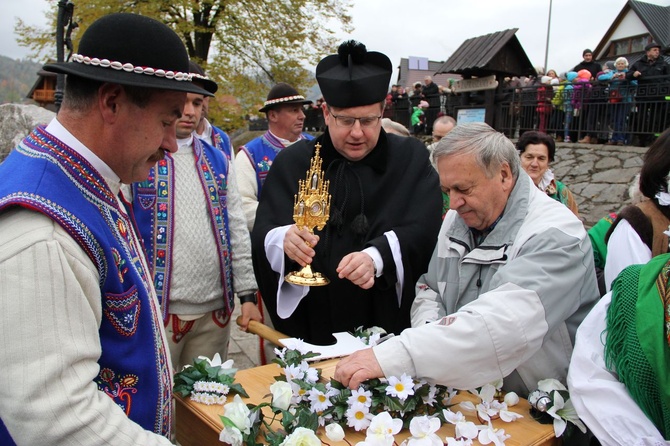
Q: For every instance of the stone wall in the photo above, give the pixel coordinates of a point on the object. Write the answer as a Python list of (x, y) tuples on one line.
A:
[(17, 121), (598, 175)]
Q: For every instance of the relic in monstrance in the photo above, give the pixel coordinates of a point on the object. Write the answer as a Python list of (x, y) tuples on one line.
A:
[(311, 210)]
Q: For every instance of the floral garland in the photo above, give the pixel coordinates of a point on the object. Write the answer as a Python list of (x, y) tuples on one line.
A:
[(551, 403), (208, 381), (382, 408)]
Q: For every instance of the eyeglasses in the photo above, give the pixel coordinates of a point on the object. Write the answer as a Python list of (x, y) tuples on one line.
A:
[(348, 121), (437, 137)]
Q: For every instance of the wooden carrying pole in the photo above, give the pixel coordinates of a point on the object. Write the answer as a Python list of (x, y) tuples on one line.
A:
[(265, 332)]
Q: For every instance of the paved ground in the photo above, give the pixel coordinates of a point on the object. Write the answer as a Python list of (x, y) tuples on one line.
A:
[(598, 175)]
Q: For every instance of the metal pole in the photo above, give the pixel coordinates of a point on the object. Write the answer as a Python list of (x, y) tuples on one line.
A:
[(60, 53), (546, 49)]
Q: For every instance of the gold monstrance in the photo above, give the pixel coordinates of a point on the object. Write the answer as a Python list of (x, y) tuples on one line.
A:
[(311, 210)]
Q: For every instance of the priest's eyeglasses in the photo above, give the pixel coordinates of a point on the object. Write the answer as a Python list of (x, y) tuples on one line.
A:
[(348, 121)]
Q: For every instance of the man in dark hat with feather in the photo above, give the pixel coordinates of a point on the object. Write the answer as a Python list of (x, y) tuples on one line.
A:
[(84, 357), (384, 214)]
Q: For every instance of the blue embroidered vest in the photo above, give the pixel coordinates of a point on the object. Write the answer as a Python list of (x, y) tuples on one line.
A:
[(262, 152), (153, 207), (221, 141), (45, 175)]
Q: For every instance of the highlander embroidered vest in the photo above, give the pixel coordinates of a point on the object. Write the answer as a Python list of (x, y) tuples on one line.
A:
[(153, 208), (221, 141), (45, 175), (262, 152)]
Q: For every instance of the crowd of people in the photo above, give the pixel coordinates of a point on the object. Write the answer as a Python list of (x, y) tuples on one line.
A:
[(130, 227)]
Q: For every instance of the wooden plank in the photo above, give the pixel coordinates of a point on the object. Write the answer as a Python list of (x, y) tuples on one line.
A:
[(199, 424)]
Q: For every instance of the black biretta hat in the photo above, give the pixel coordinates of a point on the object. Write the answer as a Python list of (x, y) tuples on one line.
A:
[(354, 76), (131, 49), (281, 94)]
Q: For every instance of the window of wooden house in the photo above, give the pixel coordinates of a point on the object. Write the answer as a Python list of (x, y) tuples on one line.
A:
[(628, 45)]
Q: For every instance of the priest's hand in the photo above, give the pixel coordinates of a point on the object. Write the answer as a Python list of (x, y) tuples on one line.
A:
[(359, 268), (358, 367), (298, 245)]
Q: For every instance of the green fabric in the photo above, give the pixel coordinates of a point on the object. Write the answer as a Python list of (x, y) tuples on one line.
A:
[(597, 235), (637, 346), (561, 194), (445, 204)]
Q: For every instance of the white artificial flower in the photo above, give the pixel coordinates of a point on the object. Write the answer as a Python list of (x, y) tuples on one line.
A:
[(430, 398), (511, 399), (464, 428), (311, 374), (374, 339), (231, 435), (563, 411), (487, 393), (281, 394), (549, 385), (293, 372), (360, 395), (280, 354), (382, 429), (423, 430), (319, 401), (458, 442), (302, 436), (299, 394), (507, 415), (334, 432), (296, 344), (400, 388), (216, 359), (490, 435), (358, 416), (449, 395), (238, 413)]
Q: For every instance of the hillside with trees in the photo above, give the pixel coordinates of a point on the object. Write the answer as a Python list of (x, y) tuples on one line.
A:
[(16, 79)]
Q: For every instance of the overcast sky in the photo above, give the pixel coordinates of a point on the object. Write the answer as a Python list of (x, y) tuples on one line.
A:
[(430, 28)]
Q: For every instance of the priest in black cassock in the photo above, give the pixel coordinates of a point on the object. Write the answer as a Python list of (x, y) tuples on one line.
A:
[(384, 217)]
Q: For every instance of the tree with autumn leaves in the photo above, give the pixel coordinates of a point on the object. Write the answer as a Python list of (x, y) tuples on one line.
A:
[(246, 46)]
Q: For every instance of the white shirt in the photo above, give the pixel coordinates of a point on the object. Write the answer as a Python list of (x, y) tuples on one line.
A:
[(601, 400)]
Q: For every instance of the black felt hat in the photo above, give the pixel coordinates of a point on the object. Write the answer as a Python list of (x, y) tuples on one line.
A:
[(652, 45), (354, 76), (281, 94), (200, 78), (131, 49)]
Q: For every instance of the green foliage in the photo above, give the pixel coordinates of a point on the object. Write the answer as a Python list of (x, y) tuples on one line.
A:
[(202, 370), (246, 45), (16, 79)]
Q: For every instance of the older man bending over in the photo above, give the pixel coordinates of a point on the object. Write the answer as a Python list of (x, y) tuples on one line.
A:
[(509, 282)]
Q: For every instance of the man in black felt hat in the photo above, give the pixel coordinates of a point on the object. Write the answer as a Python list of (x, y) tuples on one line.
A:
[(201, 262), (384, 216), (651, 71), (84, 357)]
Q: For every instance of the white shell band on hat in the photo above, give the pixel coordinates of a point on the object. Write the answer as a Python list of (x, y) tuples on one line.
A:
[(130, 68), (287, 98)]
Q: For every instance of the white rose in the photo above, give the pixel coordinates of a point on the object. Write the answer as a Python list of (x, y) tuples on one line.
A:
[(281, 395), (238, 413), (302, 436), (511, 399), (334, 432), (231, 435)]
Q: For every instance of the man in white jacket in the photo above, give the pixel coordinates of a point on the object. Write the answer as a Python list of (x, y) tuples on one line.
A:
[(510, 280)]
